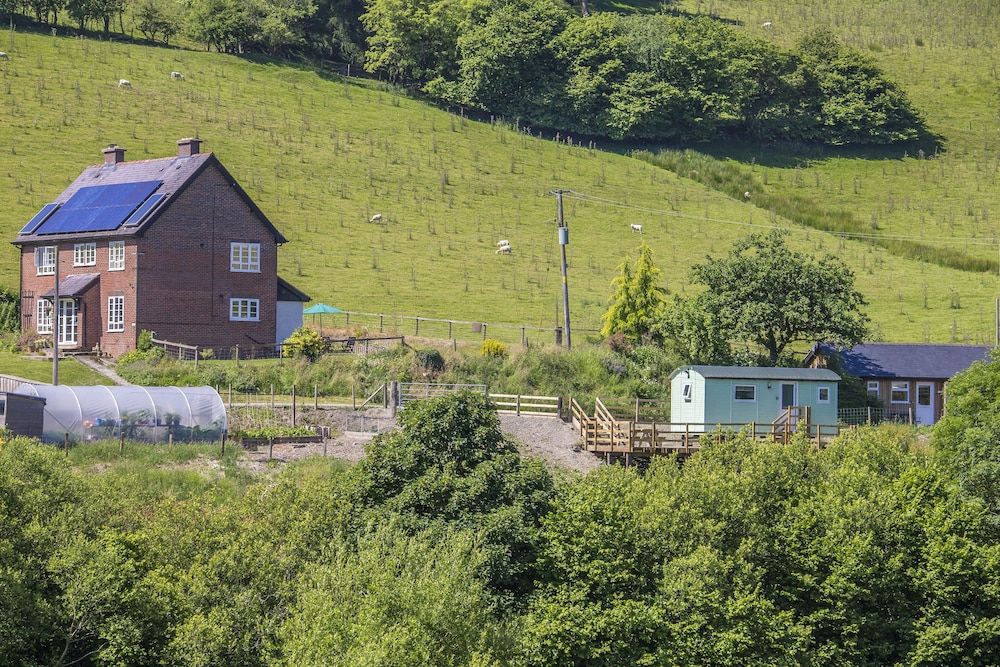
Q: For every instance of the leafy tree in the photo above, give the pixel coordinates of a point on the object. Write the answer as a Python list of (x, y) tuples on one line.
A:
[(157, 18), (304, 342), (768, 295), (637, 305), (417, 41)]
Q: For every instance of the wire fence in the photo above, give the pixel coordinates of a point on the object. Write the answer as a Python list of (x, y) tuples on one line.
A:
[(348, 345)]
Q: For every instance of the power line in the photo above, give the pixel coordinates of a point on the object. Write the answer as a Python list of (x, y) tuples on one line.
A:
[(592, 199)]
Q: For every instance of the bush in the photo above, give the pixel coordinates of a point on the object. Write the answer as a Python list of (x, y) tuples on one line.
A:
[(429, 360), (493, 349), (304, 342)]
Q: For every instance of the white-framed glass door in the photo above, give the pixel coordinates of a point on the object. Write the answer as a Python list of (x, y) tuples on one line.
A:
[(925, 404), (67, 321)]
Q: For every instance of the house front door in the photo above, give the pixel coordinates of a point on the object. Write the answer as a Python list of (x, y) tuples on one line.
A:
[(925, 404)]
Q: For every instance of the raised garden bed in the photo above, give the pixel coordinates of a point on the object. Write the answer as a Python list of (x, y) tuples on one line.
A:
[(281, 440)]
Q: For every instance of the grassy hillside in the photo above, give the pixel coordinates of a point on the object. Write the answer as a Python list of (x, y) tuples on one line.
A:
[(321, 156)]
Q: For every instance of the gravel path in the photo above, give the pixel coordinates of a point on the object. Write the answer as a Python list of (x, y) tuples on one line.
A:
[(550, 440)]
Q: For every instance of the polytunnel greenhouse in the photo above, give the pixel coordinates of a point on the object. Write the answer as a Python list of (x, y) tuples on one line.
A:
[(153, 414)]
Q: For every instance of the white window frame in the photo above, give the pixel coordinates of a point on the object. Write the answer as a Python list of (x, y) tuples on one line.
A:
[(45, 260), (43, 316), (116, 256), (246, 310), (67, 314), (819, 394), (116, 314), (737, 387), (874, 389), (85, 254), (687, 391), (244, 257), (899, 386)]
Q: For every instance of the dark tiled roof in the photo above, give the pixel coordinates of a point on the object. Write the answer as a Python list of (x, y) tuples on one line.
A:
[(907, 360), (175, 172), (289, 292), (761, 373), (74, 285)]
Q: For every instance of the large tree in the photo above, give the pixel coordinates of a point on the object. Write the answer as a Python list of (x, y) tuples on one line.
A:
[(768, 295), (638, 301)]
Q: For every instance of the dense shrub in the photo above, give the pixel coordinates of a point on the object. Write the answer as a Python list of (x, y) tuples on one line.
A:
[(304, 342), (493, 348)]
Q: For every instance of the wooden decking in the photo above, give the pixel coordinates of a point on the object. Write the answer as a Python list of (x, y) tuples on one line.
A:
[(602, 433)]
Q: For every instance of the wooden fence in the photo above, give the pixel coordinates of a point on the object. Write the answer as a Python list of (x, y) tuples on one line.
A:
[(10, 383), (520, 404)]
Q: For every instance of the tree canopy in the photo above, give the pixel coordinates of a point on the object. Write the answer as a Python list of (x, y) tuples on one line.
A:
[(767, 295)]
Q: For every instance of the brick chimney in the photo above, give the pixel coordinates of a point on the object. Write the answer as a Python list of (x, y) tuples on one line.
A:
[(114, 154), (188, 147)]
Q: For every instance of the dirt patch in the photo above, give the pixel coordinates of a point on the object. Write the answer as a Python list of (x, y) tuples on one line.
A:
[(349, 446), (549, 439)]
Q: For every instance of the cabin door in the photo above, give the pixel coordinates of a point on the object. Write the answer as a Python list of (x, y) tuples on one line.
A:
[(925, 404), (789, 397)]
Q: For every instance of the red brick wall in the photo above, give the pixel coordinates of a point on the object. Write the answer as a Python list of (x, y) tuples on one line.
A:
[(184, 279), (92, 307)]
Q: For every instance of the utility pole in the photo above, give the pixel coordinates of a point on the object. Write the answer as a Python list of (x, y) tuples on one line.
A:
[(55, 322), (563, 231)]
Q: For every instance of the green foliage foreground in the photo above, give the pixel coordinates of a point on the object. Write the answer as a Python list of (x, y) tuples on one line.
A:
[(444, 547)]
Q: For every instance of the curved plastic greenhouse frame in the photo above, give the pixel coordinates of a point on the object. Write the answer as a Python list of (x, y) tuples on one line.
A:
[(142, 413)]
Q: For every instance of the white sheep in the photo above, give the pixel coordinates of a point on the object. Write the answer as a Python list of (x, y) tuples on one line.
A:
[(4, 56), (176, 75), (124, 83), (505, 250), (746, 195), (376, 218), (636, 228), (503, 243), (767, 25)]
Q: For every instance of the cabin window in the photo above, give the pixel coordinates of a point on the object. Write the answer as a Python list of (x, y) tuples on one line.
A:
[(43, 322), (823, 394), (244, 310), (745, 392), (85, 254), (116, 313), (45, 260), (686, 392), (244, 257), (116, 256), (900, 392), (873, 388)]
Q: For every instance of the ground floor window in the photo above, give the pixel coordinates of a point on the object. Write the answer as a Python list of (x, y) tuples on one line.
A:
[(873, 389), (745, 392), (43, 324), (116, 313), (823, 395), (244, 310), (900, 392)]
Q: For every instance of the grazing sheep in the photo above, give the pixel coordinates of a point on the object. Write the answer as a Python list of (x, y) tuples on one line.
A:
[(176, 75), (746, 195), (376, 218), (4, 56), (124, 83), (505, 250), (636, 228), (503, 243), (766, 25)]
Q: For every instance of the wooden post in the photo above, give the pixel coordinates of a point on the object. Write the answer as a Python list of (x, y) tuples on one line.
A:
[(294, 406), (66, 444), (869, 415), (380, 331), (223, 443), (121, 443), (315, 396), (517, 410), (170, 439), (637, 408), (237, 355), (230, 395), (449, 329), (559, 406), (522, 337), (484, 330), (454, 345), (416, 331), (270, 448), (196, 356)]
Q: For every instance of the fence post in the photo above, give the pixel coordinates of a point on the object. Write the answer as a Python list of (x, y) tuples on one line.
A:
[(416, 331), (66, 444), (196, 355), (393, 397), (270, 448), (517, 410), (869, 415), (223, 443), (449, 329), (170, 439), (121, 444), (559, 406), (522, 337), (380, 323), (910, 410), (293, 405), (637, 408), (237, 355), (484, 330)]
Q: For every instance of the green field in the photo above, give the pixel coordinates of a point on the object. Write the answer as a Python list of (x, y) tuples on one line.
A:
[(322, 155)]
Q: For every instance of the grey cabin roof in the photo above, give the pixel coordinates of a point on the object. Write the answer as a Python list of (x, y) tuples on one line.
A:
[(175, 172), (761, 373), (904, 360)]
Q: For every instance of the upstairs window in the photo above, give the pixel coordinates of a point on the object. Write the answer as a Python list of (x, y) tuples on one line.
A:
[(43, 312), (244, 310), (244, 257), (45, 260), (116, 256), (116, 313), (745, 392), (85, 254)]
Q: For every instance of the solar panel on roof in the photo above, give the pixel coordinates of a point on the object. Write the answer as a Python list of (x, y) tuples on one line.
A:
[(143, 211), (98, 208), (39, 218)]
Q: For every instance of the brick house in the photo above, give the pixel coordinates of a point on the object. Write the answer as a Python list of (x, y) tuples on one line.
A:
[(908, 380), (172, 245)]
